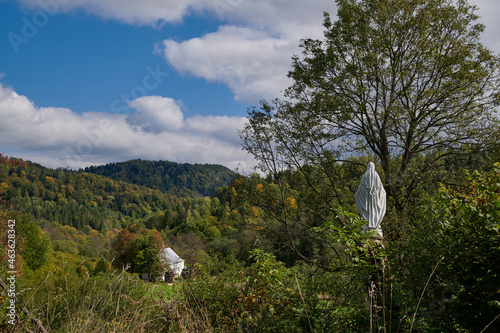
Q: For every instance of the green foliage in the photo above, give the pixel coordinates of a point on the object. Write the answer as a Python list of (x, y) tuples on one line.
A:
[(78, 199), (266, 296), (435, 271), (23, 238), (461, 225), (102, 266), (139, 250), (36, 243), (148, 246), (124, 247), (288, 208), (179, 180), (410, 83), (242, 299), (405, 80), (472, 229)]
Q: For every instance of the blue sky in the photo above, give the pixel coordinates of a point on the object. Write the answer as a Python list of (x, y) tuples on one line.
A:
[(88, 82), (83, 62)]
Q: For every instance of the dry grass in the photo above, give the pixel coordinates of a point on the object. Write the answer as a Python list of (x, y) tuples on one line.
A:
[(117, 302)]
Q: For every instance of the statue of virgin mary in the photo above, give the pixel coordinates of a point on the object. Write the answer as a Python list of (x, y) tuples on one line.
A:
[(371, 200)]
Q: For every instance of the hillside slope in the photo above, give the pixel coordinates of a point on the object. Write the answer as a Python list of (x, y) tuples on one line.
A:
[(78, 199), (181, 180)]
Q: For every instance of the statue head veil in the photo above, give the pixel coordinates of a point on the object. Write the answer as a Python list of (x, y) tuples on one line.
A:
[(372, 179)]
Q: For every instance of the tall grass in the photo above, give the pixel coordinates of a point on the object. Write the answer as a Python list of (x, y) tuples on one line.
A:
[(117, 302)]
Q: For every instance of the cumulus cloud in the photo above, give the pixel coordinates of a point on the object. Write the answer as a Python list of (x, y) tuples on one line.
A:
[(216, 127), (252, 53), (251, 63), (149, 12), (156, 12), (288, 19), (156, 129), (156, 114)]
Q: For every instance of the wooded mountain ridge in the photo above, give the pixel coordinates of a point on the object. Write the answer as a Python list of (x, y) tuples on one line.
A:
[(193, 180), (80, 198)]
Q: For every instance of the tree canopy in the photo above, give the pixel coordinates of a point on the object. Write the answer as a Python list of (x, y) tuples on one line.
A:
[(181, 180), (405, 80)]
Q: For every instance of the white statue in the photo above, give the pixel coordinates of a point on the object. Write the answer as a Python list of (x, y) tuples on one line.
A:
[(371, 199)]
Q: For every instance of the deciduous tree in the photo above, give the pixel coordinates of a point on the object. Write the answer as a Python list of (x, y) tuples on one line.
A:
[(398, 79)]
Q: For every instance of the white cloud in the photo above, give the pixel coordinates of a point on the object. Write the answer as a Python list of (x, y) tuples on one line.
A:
[(157, 130), (149, 12), (217, 127), (252, 53), (264, 13), (251, 63), (156, 114), (288, 19)]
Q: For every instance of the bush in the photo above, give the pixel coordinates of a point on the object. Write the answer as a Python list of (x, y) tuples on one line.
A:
[(268, 297), (255, 298), (460, 225)]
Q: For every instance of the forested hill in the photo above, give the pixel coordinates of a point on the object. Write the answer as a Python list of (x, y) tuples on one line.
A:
[(78, 199), (173, 178)]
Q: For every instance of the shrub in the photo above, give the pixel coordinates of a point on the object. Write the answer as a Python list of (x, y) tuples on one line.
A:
[(461, 225)]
